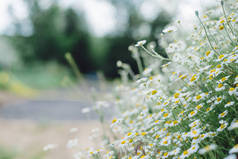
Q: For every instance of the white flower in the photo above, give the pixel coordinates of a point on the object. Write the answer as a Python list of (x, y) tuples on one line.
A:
[(176, 151), (234, 149), (140, 43), (72, 143), (78, 155), (234, 125), (218, 100), (229, 104), (192, 113), (170, 29), (195, 132), (73, 130), (85, 110), (222, 126), (195, 124), (207, 148), (199, 97), (193, 149), (49, 147), (223, 114), (230, 157), (119, 63), (232, 91), (220, 87)]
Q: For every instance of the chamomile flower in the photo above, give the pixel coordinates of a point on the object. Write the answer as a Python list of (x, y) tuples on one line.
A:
[(192, 113), (228, 104), (218, 100), (72, 143), (49, 147), (165, 141), (170, 29), (222, 126), (209, 54), (176, 151), (232, 91), (195, 124), (231, 157), (140, 43), (199, 97), (185, 154), (223, 114), (193, 149), (207, 148), (220, 87), (234, 149), (195, 132), (234, 125)]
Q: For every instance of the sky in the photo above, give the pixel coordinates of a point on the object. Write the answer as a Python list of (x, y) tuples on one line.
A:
[(100, 14)]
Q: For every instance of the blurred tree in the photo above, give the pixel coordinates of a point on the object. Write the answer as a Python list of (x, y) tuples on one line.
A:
[(118, 44), (56, 30)]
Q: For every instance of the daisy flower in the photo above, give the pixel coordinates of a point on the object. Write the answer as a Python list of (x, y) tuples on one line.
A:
[(140, 43), (222, 126), (234, 149), (199, 97), (193, 149), (232, 91), (234, 125), (229, 104), (220, 87), (231, 157), (218, 100), (207, 148), (170, 29), (223, 114), (192, 113)]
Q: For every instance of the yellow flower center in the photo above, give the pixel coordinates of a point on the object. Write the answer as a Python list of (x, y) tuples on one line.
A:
[(194, 132), (219, 99), (193, 78), (123, 142), (114, 120), (221, 27), (185, 152), (176, 95), (222, 126), (223, 79), (198, 97), (154, 92), (166, 114), (165, 142), (221, 56), (208, 53), (199, 107), (166, 154), (192, 113), (220, 85), (232, 89)]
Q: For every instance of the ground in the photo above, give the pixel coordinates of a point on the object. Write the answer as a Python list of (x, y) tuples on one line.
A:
[(26, 138), (28, 124)]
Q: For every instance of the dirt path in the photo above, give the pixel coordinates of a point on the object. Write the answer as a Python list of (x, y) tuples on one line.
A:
[(27, 138), (27, 125)]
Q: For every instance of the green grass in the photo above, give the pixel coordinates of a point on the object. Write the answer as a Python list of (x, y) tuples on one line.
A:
[(6, 154), (43, 76)]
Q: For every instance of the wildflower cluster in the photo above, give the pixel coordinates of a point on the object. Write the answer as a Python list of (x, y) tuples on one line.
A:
[(183, 105)]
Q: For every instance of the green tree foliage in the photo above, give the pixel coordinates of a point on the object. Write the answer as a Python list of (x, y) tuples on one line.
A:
[(56, 31)]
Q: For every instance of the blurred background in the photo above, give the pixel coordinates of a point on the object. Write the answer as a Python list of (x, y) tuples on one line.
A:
[(37, 83)]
